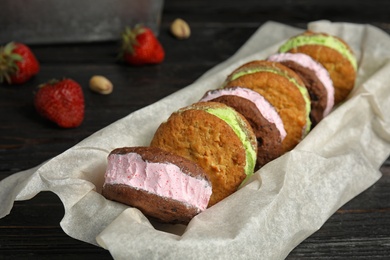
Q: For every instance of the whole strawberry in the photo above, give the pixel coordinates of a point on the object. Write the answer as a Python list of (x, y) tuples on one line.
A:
[(17, 63), (61, 101), (140, 46)]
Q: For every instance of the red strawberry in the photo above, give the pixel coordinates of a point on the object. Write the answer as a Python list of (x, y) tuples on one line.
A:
[(17, 63), (61, 101), (140, 46)]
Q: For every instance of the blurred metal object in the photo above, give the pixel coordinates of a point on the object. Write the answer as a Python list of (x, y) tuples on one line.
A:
[(53, 21)]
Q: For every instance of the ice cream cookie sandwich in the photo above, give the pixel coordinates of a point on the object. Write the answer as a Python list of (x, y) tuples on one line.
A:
[(261, 115), (217, 138), (164, 186), (281, 87), (333, 53), (316, 79)]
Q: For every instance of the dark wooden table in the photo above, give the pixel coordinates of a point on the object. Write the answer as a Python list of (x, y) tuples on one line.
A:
[(358, 230)]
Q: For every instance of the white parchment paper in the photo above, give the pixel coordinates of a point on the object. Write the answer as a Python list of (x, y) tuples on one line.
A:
[(265, 219)]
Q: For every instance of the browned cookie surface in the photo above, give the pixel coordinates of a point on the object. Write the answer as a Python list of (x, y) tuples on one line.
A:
[(317, 91), (269, 144), (210, 142), (278, 90)]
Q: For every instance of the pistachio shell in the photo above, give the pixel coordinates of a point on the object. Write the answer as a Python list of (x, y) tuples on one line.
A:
[(100, 84), (180, 29)]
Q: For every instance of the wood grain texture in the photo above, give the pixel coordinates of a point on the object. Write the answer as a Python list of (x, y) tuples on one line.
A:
[(358, 230)]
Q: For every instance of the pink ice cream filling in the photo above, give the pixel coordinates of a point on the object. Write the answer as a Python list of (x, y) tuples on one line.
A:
[(163, 179), (321, 73), (265, 108)]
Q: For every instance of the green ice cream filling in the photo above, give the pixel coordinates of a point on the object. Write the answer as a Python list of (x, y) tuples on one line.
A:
[(302, 89), (324, 40), (230, 116)]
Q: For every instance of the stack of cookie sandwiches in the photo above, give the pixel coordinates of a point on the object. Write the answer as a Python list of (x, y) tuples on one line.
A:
[(205, 151)]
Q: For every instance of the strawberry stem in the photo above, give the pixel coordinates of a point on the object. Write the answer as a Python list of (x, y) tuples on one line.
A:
[(129, 39), (8, 62)]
